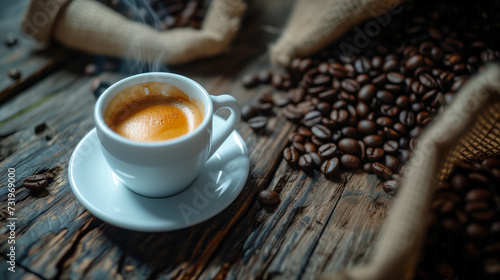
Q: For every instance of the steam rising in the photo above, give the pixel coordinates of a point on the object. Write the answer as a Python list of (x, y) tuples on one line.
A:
[(146, 12)]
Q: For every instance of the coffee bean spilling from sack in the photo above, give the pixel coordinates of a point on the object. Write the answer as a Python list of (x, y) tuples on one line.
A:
[(366, 111), (163, 14), (464, 240)]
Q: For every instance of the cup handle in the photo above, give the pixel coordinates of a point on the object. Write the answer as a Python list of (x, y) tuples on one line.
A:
[(221, 133)]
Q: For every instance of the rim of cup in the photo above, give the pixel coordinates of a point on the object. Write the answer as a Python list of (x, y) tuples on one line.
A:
[(151, 77)]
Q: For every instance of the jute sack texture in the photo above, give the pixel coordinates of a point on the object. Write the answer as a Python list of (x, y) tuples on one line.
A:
[(313, 24), (467, 130), (92, 27)]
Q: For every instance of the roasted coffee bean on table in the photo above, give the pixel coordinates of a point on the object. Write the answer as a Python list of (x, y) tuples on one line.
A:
[(35, 182), (463, 241), (14, 74), (365, 109), (268, 197)]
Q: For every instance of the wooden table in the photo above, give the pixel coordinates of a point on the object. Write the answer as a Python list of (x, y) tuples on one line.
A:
[(319, 226)]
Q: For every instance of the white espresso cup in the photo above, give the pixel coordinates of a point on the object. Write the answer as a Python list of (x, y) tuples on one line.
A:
[(164, 168)]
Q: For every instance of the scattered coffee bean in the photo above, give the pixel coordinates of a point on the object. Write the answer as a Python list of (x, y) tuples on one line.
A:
[(35, 182), (90, 69), (14, 74), (382, 171), (258, 122), (101, 88), (391, 187), (11, 41), (268, 197)]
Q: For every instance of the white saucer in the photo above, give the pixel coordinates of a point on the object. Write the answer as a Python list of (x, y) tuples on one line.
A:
[(96, 187)]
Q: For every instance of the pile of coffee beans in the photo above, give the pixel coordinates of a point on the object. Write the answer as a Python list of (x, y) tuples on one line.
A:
[(464, 239), (163, 14), (365, 110)]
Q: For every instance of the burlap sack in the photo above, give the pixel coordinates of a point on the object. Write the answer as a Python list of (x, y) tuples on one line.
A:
[(90, 26), (469, 129), (314, 24)]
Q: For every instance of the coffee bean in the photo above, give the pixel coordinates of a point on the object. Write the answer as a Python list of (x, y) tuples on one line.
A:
[(362, 65), (363, 79), (309, 147), (452, 59), (476, 206), (317, 159), (268, 197), (423, 118), (330, 167), (418, 88), (395, 77), (391, 146), (373, 140), (35, 182), (379, 80), (263, 77), (258, 122), (377, 62), (367, 127), (312, 118), (427, 80), (305, 161), (391, 162), (321, 80), (14, 74), (385, 97), (362, 109), (299, 147), (390, 133), (349, 145), (476, 230), (367, 167), (321, 131), (291, 155), (384, 121), (305, 131), (367, 92), (382, 171), (339, 116), (276, 80), (327, 150), (349, 132), (407, 117), (290, 112), (476, 195), (350, 85), (350, 161), (490, 163), (101, 88), (390, 65), (374, 154), (391, 187), (11, 41), (295, 137), (281, 101)]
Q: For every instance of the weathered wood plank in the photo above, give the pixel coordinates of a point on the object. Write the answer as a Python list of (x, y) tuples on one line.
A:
[(34, 60)]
